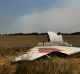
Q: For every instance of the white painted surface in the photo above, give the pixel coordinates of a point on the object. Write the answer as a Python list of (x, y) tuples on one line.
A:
[(34, 53), (68, 50), (31, 55), (54, 37)]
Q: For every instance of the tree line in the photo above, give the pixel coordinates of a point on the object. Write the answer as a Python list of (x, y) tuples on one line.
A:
[(35, 33), (18, 34), (74, 33)]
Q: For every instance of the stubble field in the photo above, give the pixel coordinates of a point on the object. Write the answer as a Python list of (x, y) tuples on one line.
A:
[(12, 46)]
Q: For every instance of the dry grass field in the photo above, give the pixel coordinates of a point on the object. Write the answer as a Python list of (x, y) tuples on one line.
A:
[(32, 40), (72, 39), (21, 41), (12, 46)]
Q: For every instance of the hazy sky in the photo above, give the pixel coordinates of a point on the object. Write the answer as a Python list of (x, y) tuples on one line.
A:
[(39, 16)]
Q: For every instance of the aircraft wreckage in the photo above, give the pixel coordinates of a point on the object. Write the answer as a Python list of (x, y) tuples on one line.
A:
[(56, 45)]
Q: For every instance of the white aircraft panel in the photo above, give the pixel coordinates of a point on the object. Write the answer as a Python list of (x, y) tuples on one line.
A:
[(34, 52), (54, 37), (68, 50), (65, 49), (31, 55)]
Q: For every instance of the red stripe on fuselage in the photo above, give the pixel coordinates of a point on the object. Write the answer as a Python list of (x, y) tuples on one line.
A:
[(48, 51)]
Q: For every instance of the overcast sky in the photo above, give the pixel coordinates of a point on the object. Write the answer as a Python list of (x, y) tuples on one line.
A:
[(28, 16)]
